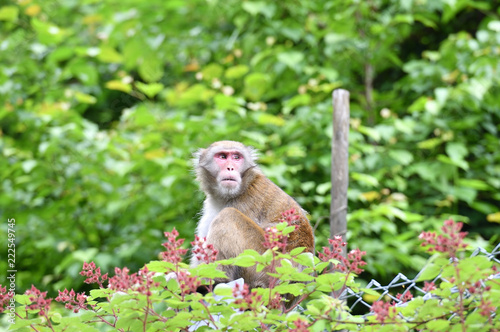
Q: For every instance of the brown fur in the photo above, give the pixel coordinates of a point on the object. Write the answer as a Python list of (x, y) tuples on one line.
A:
[(236, 221)]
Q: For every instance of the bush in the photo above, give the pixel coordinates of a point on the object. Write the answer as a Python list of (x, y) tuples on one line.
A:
[(163, 294)]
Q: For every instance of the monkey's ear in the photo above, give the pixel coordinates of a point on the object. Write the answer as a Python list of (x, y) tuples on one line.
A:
[(197, 156), (254, 155)]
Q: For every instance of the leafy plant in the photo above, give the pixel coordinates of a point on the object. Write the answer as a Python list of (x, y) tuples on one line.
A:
[(163, 294)]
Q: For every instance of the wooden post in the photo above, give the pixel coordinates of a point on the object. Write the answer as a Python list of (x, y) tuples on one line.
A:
[(340, 167)]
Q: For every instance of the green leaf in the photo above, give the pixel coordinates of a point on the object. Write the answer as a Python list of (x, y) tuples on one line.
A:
[(212, 71), (330, 281), (473, 183), (370, 132), (236, 71), (48, 33), (438, 325), (365, 179), (456, 162), (150, 90), (298, 100), (297, 251), (256, 85), (494, 217), (305, 259), (151, 69), (324, 188), (291, 58), (456, 151), (295, 289), (160, 266), (229, 103), (268, 119), (209, 271), (9, 13), (119, 85), (245, 260), (430, 143), (402, 156), (259, 7), (85, 98), (109, 55), (432, 269)]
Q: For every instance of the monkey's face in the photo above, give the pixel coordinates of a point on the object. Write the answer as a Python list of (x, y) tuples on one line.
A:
[(230, 165), (225, 168)]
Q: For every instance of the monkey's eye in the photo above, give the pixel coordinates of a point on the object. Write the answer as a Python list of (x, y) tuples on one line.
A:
[(236, 156), (222, 156)]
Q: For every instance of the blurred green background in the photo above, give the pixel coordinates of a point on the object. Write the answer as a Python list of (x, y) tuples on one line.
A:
[(103, 102)]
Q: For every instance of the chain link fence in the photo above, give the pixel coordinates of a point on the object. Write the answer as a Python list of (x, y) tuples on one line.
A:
[(402, 284)]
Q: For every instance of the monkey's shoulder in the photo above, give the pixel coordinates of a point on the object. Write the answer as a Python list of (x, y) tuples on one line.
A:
[(264, 202)]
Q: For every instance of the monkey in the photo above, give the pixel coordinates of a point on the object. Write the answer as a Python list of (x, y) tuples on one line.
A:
[(241, 202)]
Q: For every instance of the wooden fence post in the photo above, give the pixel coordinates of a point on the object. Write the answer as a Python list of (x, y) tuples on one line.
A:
[(340, 167)]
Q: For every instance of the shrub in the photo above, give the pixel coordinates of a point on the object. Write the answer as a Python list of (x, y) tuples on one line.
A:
[(163, 294)]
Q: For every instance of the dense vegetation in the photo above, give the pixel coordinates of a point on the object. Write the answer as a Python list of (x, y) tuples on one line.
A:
[(103, 102)]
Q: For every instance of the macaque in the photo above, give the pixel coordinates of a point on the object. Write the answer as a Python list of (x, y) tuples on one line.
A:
[(240, 203)]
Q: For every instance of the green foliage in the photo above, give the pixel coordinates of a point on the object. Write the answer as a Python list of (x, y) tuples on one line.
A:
[(163, 296), (103, 102)]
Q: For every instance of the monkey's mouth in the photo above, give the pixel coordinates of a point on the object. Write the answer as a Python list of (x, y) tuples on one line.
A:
[(229, 181)]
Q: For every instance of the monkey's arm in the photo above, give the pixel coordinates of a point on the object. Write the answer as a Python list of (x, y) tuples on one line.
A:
[(231, 232)]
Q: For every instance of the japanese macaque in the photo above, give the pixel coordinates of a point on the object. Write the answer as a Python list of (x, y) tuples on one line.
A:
[(240, 203)]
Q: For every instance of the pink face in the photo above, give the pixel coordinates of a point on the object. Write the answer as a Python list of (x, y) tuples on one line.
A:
[(230, 164)]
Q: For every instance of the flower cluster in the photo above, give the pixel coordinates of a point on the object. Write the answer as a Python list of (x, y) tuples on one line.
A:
[(290, 216), (383, 310), (174, 252), (450, 242), (277, 302), (146, 281), (4, 298), (405, 297), (140, 282), (73, 301), (352, 263), (245, 299), (187, 283), (38, 300), (275, 238), (122, 281), (93, 274), (203, 251), (486, 308), (300, 326), (429, 286)]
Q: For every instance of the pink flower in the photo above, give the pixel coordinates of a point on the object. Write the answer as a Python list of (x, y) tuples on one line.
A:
[(38, 300), (245, 299), (4, 298), (382, 310), (277, 239), (429, 286), (352, 263), (187, 283), (404, 298), (93, 274), (174, 252), (300, 326), (451, 242), (72, 303), (203, 251), (486, 308)]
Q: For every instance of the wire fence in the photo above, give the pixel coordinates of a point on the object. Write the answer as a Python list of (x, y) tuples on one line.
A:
[(402, 284)]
